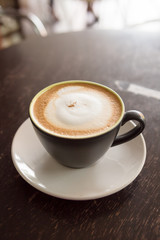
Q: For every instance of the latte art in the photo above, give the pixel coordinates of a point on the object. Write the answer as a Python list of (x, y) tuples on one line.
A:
[(73, 109), (77, 109)]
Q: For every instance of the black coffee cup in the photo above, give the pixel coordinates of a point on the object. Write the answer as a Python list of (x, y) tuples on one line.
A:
[(82, 152)]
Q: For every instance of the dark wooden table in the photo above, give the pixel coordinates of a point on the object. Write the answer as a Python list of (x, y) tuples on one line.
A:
[(104, 57)]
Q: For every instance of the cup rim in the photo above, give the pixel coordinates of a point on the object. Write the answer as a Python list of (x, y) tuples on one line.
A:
[(42, 129)]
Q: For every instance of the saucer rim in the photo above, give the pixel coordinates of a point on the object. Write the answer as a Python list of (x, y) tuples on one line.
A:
[(79, 198)]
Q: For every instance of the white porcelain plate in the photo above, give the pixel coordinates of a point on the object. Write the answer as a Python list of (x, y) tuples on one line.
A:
[(114, 171)]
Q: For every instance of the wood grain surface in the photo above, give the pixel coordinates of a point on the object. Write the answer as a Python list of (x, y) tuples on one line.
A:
[(104, 57)]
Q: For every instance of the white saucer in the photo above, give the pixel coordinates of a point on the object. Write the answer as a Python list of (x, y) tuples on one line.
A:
[(114, 171)]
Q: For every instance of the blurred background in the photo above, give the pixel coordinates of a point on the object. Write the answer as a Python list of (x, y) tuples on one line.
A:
[(20, 19)]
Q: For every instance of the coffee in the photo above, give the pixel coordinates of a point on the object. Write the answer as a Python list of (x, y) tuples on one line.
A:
[(76, 109)]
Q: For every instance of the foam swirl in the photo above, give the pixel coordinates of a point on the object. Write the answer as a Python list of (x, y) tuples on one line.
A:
[(77, 109)]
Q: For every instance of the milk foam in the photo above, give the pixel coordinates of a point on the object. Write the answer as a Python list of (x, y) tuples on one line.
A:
[(78, 108)]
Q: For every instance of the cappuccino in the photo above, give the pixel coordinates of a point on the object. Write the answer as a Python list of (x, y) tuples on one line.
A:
[(76, 109)]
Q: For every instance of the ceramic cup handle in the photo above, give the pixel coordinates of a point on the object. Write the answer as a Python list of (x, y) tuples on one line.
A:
[(131, 115)]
